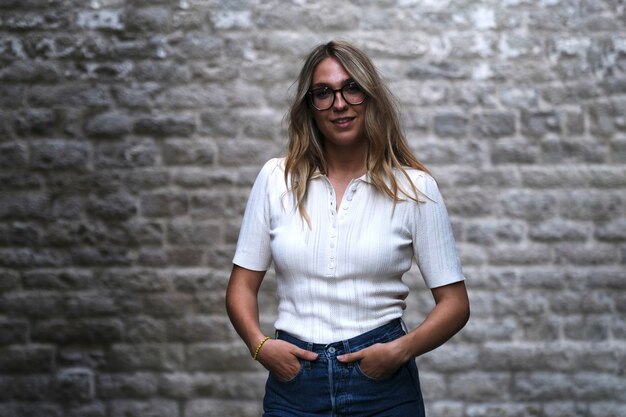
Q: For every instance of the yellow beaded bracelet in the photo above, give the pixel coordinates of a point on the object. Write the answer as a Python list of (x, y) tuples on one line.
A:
[(256, 352)]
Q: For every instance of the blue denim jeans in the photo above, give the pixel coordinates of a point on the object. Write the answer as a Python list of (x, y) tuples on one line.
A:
[(329, 388)]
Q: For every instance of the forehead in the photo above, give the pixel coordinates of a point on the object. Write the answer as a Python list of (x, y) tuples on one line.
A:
[(330, 72)]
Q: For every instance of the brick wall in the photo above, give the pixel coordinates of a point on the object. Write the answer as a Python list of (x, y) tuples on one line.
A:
[(130, 134)]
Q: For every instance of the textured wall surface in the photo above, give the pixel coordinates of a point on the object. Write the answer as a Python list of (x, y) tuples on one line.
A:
[(131, 132)]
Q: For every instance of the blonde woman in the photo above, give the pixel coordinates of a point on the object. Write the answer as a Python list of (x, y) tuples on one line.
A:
[(342, 216)]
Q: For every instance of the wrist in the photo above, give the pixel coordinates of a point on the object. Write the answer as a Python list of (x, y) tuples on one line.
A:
[(258, 348), (402, 348)]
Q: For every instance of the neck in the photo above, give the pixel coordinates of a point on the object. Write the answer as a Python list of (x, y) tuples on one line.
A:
[(346, 161)]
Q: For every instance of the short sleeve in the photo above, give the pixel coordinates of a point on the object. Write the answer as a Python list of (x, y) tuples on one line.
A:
[(253, 246), (434, 247)]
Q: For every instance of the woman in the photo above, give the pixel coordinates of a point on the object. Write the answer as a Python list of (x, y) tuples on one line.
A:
[(342, 216)]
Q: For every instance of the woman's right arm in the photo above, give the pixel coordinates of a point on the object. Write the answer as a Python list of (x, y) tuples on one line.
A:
[(242, 304), (279, 357)]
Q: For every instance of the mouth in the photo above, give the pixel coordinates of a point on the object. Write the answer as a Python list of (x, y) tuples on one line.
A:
[(342, 121)]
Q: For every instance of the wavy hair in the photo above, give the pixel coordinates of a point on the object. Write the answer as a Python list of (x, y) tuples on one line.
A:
[(387, 148)]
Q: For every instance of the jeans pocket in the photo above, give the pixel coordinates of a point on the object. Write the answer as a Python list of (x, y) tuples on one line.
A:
[(292, 379), (366, 376)]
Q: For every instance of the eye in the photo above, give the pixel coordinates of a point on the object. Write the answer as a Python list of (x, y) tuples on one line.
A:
[(352, 88), (321, 93)]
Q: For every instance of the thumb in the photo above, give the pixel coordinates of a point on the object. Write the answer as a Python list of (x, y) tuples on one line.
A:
[(350, 357), (307, 355)]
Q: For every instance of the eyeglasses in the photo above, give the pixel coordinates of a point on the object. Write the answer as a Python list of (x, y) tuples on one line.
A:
[(323, 98)]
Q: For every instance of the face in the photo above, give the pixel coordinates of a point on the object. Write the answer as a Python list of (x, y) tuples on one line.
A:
[(343, 124)]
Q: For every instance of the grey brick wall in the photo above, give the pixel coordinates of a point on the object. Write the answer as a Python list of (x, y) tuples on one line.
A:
[(130, 133)]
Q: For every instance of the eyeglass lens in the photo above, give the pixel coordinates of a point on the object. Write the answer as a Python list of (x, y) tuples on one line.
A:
[(323, 98)]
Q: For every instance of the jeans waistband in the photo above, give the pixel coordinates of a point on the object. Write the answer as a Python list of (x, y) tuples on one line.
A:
[(385, 333)]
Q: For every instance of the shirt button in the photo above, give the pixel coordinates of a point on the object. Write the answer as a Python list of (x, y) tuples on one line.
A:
[(332, 245), (332, 265), (345, 207), (349, 197)]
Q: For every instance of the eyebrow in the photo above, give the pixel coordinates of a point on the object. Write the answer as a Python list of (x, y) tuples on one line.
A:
[(343, 83)]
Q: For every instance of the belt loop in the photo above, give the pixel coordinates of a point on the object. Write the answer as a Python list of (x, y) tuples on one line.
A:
[(307, 364), (406, 329), (346, 349)]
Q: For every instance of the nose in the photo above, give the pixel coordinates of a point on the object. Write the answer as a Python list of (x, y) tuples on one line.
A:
[(340, 103)]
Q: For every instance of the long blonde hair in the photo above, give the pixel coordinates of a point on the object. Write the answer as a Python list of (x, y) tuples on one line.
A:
[(387, 148)]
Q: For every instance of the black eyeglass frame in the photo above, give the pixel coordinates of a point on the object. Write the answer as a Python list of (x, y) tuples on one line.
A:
[(334, 91)]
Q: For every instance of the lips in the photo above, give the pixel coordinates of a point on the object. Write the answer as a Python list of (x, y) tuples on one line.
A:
[(343, 122)]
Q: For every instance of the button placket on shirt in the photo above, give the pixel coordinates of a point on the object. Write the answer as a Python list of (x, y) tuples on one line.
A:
[(336, 217), (333, 232)]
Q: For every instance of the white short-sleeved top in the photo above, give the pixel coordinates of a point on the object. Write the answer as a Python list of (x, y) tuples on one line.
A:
[(343, 276)]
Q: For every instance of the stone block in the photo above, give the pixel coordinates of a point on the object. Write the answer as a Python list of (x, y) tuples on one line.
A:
[(145, 357), (70, 95), (186, 152), (9, 280), (539, 124), (199, 329), (95, 409), (100, 19), (153, 407), (613, 231), (177, 385), (185, 232), (145, 329), (451, 152), (186, 257), (21, 181), (448, 70), (168, 305), (25, 388), (199, 279), (246, 152), (216, 408), (515, 151), (119, 206), (469, 204), (60, 155), (218, 357), (13, 332), (450, 358), (27, 359), (75, 385), (491, 233), (450, 125), (581, 151), (528, 205), (132, 386), (138, 94), (20, 234), (214, 204), (32, 304), (109, 124), (131, 280), (28, 409), (126, 154), (13, 155), (103, 331), (147, 19), (480, 386), (165, 125), (58, 279), (555, 230), (493, 125)]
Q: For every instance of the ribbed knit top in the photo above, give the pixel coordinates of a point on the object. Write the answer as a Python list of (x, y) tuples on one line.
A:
[(343, 276)]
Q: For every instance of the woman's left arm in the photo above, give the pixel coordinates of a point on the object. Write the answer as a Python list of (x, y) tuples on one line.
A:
[(449, 315)]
